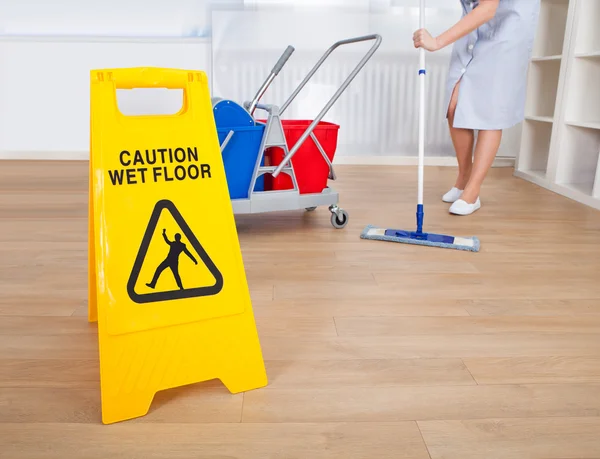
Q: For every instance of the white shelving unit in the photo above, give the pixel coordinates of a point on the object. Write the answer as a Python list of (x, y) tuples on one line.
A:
[(560, 145)]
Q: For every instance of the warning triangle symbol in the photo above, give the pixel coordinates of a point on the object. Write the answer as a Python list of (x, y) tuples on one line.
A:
[(176, 249)]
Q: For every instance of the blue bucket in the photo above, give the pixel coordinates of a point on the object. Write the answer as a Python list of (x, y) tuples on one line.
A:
[(239, 159), (239, 155)]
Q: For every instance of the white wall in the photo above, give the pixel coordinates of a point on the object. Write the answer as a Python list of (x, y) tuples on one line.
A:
[(44, 80), (106, 18), (44, 89)]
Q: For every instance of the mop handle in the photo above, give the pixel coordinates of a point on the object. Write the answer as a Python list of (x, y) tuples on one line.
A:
[(421, 106), (420, 211)]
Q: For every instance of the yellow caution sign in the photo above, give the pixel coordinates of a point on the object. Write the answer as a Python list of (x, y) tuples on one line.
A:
[(167, 281)]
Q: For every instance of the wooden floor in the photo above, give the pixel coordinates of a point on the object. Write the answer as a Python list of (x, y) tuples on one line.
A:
[(374, 350)]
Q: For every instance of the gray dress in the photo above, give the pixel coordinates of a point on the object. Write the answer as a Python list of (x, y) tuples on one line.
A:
[(491, 64)]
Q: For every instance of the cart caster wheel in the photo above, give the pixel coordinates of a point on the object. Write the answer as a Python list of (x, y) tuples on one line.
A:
[(339, 220), (311, 209)]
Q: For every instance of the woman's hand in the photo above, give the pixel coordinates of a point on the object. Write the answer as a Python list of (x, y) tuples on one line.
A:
[(423, 39)]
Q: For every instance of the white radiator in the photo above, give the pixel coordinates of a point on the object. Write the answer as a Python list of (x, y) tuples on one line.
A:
[(378, 113)]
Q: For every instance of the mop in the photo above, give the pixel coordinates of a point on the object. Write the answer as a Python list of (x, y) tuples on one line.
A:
[(418, 237)]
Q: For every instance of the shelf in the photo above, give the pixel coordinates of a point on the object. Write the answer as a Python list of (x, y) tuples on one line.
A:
[(542, 88), (546, 58), (535, 147), (560, 142), (551, 28), (538, 177), (576, 194), (578, 164), (585, 188), (587, 36), (589, 55), (583, 91), (543, 119), (585, 124)]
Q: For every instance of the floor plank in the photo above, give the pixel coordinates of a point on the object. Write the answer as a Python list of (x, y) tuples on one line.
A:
[(381, 306), (550, 307), (404, 326), (389, 404), (535, 370), (431, 346), (53, 373), (231, 441), (201, 403), (535, 438), (311, 374)]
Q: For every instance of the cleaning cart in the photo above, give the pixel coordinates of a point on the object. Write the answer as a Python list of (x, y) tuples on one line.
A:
[(256, 151)]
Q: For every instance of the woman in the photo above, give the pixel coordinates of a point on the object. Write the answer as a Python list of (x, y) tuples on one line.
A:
[(485, 89)]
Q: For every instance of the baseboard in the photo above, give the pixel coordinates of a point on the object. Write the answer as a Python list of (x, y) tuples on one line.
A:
[(393, 160), (45, 155), (364, 160)]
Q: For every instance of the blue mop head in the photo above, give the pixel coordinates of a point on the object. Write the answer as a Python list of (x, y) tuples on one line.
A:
[(470, 244)]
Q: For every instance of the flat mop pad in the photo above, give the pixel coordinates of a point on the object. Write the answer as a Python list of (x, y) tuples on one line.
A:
[(470, 244)]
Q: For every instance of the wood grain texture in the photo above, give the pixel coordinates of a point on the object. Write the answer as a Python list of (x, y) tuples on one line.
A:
[(331, 374), (421, 403), (373, 350), (547, 307), (203, 403), (430, 346), (403, 326), (211, 441), (535, 438), (532, 370)]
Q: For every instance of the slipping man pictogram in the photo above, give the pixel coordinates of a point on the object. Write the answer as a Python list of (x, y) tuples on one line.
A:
[(172, 260)]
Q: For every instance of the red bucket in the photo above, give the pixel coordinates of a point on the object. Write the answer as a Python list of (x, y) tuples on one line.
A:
[(311, 169)]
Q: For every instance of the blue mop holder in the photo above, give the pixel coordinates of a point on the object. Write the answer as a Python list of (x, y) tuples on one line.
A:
[(420, 215)]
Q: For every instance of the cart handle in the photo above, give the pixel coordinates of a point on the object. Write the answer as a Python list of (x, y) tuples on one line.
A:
[(282, 60), (251, 106), (335, 97)]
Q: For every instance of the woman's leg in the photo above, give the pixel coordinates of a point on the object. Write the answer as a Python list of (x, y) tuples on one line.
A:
[(488, 143), (462, 140)]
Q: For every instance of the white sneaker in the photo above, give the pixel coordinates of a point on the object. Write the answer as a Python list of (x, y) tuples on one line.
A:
[(452, 195), (461, 207)]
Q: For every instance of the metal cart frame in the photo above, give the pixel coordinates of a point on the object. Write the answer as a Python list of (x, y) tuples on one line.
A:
[(292, 199)]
